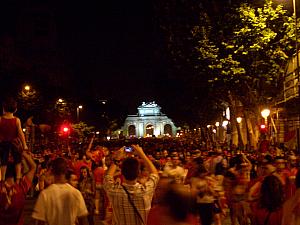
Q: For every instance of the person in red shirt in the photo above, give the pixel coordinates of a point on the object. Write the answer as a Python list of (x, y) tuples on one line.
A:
[(100, 196), (12, 139), (12, 194)]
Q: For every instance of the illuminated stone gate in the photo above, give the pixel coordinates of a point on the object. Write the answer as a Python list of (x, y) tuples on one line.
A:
[(149, 122)]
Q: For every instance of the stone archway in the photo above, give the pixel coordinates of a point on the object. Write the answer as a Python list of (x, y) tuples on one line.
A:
[(149, 130), (168, 129), (131, 130)]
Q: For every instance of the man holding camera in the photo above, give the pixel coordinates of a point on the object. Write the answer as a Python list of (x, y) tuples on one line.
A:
[(131, 201)]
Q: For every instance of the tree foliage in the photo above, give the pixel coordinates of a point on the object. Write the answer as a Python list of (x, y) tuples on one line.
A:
[(82, 131), (251, 58)]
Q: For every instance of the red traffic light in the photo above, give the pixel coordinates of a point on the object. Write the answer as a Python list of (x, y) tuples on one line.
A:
[(65, 129), (263, 126)]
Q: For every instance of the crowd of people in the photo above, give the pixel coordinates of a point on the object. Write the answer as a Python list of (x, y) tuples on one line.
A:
[(146, 182)]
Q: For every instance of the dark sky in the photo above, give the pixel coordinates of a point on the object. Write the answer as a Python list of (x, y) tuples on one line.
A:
[(109, 46)]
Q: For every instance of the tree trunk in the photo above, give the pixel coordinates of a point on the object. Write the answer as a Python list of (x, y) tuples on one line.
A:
[(234, 123)]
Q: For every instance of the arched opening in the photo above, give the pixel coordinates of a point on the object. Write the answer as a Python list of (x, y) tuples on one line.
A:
[(149, 130), (131, 130), (168, 129)]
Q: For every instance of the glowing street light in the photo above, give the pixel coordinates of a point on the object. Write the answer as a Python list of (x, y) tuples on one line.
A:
[(265, 113), (217, 124), (225, 123), (239, 120), (27, 87), (78, 109)]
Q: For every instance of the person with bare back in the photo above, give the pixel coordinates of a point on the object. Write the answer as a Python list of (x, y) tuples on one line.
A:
[(12, 139)]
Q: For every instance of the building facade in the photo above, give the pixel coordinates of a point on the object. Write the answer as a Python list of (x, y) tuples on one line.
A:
[(149, 122), (287, 118)]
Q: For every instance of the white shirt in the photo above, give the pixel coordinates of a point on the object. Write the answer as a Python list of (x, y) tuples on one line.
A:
[(59, 204)]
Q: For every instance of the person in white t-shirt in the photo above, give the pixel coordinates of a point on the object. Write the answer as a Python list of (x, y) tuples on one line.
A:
[(60, 203)]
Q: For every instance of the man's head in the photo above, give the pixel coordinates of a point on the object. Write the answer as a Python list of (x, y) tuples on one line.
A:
[(130, 168), (59, 167), (9, 105)]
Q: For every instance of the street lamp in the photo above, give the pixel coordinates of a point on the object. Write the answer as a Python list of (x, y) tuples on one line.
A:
[(239, 120), (27, 87), (225, 123), (265, 113), (78, 109)]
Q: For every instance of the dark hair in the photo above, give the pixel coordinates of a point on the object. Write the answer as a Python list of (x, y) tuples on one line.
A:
[(297, 181), (200, 171), (89, 176), (96, 164), (69, 174), (9, 105), (271, 193), (238, 161), (178, 201), (59, 166), (198, 160), (10, 171), (130, 168)]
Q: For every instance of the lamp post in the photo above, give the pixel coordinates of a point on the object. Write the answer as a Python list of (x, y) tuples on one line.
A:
[(27, 87), (240, 139), (78, 110), (265, 113), (217, 131)]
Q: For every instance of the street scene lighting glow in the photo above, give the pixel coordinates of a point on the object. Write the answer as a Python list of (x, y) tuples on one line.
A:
[(27, 88), (225, 123), (80, 107), (239, 119), (263, 126), (265, 113)]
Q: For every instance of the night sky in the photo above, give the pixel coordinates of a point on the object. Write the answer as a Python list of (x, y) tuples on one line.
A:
[(110, 46), (107, 46)]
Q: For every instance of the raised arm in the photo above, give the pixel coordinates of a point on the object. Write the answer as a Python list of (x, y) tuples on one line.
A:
[(88, 151), (115, 162), (150, 166)]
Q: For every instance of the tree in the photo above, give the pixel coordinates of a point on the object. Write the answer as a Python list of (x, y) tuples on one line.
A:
[(251, 58), (176, 21), (82, 131)]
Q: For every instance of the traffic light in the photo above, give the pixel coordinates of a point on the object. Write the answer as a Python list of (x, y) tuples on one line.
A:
[(263, 128), (65, 130)]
